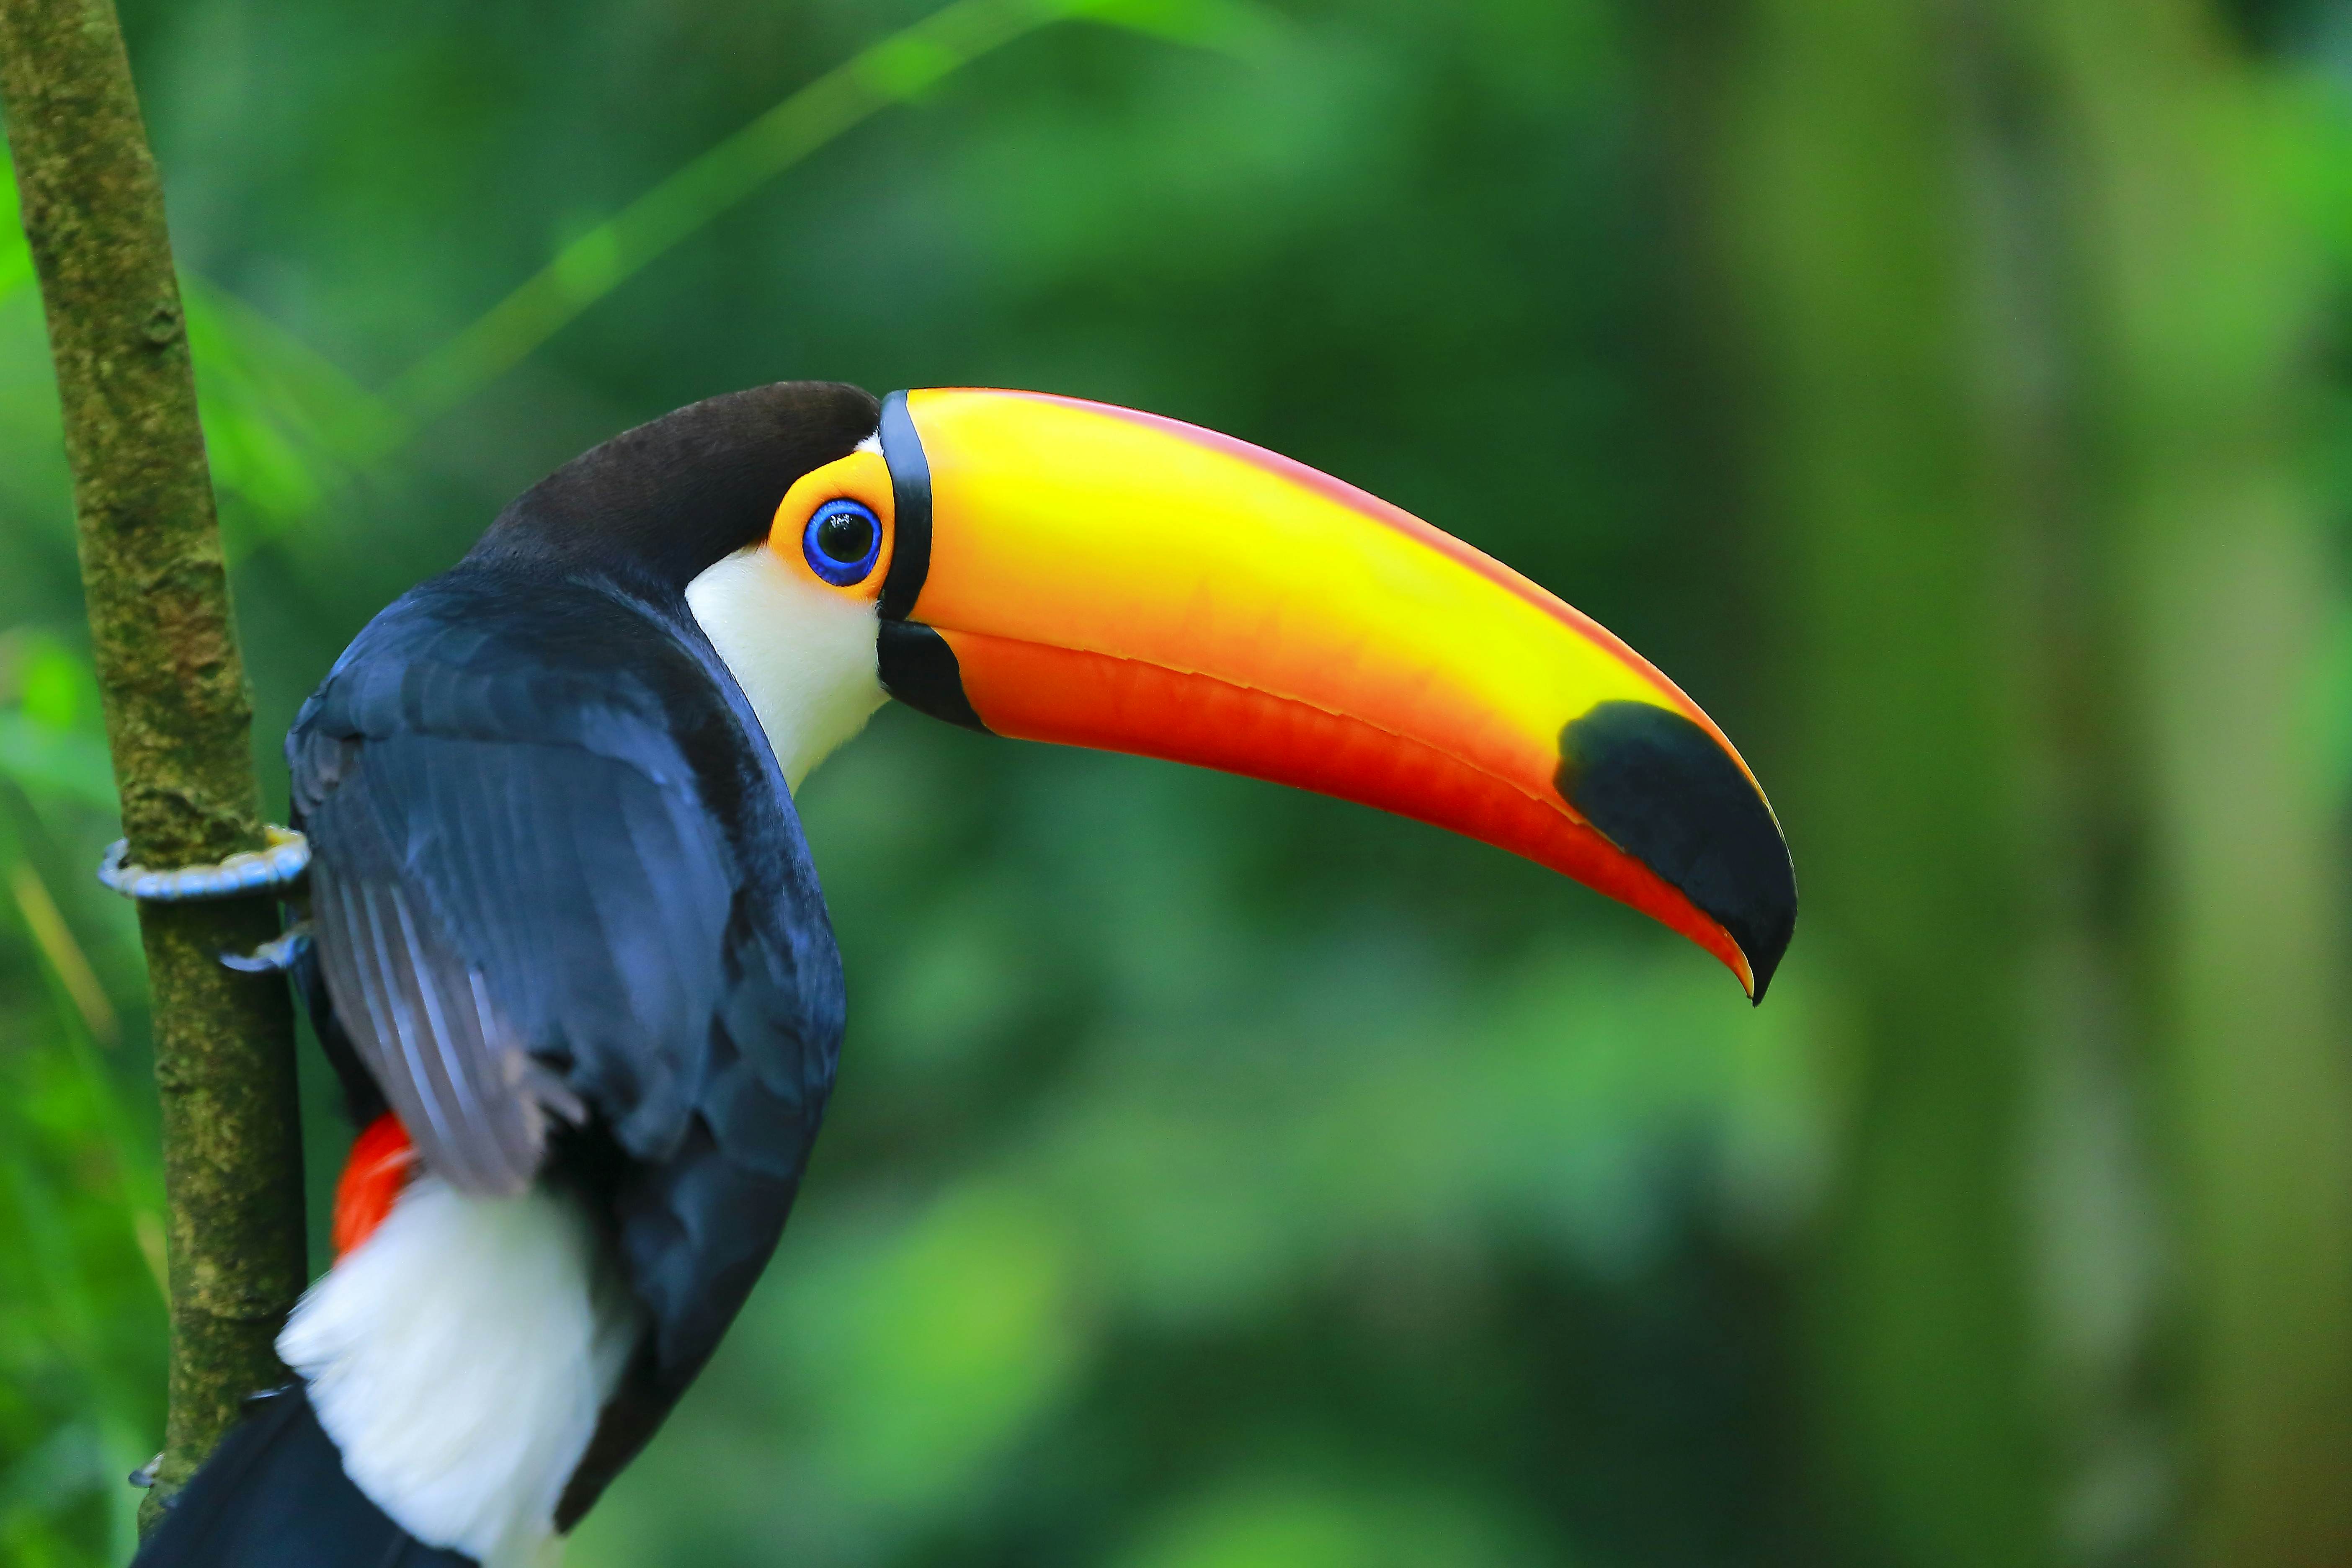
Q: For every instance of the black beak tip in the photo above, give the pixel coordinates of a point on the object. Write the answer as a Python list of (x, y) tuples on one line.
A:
[(1770, 921), (1663, 790)]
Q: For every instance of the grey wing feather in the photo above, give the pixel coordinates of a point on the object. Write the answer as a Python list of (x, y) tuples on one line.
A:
[(419, 1013), (508, 927)]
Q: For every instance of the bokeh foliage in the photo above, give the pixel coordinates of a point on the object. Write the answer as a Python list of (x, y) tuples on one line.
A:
[(1220, 1177)]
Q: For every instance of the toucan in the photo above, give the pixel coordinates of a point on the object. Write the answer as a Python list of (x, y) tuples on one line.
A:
[(568, 954)]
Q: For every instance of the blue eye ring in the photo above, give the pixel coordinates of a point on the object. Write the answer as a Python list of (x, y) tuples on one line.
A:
[(842, 542)]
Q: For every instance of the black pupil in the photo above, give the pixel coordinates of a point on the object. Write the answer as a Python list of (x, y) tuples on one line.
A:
[(845, 536)]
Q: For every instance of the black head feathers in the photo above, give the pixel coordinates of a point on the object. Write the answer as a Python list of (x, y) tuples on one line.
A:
[(654, 505)]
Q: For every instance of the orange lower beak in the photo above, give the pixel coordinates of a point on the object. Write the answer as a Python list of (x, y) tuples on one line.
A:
[(1075, 572)]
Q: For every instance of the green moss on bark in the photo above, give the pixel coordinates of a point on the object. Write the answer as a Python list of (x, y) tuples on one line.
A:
[(178, 711)]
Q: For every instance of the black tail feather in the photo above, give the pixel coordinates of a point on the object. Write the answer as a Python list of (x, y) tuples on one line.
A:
[(274, 1495)]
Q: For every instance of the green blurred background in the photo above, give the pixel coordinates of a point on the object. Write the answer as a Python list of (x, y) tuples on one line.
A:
[(1954, 395)]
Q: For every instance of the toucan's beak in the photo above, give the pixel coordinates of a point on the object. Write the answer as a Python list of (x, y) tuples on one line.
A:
[(1070, 572)]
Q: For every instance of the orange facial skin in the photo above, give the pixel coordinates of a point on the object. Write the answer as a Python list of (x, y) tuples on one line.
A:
[(861, 476), (1121, 580)]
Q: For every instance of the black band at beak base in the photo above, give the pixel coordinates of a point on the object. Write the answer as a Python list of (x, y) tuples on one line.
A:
[(916, 666), (920, 669), (910, 493)]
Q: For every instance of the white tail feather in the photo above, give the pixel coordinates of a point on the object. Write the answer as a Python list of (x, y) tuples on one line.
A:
[(460, 1358)]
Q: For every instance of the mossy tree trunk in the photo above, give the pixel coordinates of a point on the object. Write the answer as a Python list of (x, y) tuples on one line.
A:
[(178, 711)]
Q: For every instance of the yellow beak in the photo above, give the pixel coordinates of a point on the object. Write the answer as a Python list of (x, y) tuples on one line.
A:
[(1070, 572)]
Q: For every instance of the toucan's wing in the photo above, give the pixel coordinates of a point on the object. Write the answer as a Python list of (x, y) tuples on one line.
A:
[(509, 930), (526, 898), (555, 872), (412, 995), (515, 893)]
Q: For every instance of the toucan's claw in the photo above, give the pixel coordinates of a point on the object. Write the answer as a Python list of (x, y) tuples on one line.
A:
[(276, 956), (280, 865)]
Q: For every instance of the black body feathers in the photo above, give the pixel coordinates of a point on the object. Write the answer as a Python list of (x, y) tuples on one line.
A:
[(274, 1495), (564, 916)]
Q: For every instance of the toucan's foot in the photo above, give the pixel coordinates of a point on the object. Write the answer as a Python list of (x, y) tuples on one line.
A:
[(276, 956), (144, 1476), (281, 865)]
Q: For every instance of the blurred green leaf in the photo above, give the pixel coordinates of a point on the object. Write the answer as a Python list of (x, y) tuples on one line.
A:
[(50, 743), (897, 69), (54, 688), (1240, 27), (282, 425)]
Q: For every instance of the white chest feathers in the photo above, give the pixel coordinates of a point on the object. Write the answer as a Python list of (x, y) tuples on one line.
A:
[(804, 655), (459, 1357)]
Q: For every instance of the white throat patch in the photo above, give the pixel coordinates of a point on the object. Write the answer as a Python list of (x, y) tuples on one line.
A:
[(802, 654)]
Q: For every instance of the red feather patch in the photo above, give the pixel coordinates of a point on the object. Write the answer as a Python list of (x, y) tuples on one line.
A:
[(378, 1168)]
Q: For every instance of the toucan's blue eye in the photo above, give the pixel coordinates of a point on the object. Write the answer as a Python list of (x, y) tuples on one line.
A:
[(842, 539)]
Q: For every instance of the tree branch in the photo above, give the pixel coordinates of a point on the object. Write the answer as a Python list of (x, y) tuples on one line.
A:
[(178, 711)]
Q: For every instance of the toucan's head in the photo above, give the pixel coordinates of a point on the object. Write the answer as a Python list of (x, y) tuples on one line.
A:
[(1055, 570)]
